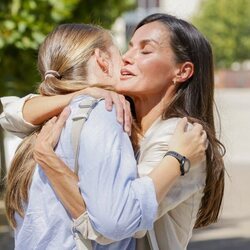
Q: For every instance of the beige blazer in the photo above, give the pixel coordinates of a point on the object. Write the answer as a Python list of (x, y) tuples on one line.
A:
[(176, 214), (178, 211)]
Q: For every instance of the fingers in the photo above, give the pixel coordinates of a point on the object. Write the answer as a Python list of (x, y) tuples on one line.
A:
[(127, 118), (182, 125), (50, 133), (204, 139), (203, 135), (108, 102), (48, 126), (62, 118), (197, 128), (118, 106), (52, 120)]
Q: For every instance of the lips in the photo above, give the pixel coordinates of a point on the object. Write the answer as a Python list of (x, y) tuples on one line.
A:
[(125, 74)]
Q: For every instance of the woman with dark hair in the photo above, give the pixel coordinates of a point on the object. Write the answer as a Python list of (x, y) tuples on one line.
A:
[(168, 72)]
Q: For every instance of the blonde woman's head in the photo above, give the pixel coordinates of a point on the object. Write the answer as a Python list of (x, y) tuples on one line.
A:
[(71, 56), (74, 55)]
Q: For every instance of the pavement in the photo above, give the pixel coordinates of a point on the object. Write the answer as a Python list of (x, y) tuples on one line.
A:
[(6, 234), (232, 231)]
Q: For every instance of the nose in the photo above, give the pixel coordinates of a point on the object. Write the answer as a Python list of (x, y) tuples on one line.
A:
[(127, 58)]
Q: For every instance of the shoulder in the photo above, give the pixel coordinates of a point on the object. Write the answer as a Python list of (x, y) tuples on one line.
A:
[(155, 144), (163, 128), (166, 127), (104, 119), (101, 124), (98, 112), (171, 123)]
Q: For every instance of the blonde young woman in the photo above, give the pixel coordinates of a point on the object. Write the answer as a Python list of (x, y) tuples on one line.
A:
[(169, 73), (119, 204)]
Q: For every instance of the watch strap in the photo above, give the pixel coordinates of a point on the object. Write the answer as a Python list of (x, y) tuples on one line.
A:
[(181, 159)]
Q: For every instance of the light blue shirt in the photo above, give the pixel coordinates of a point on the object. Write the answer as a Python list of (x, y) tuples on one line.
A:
[(118, 202)]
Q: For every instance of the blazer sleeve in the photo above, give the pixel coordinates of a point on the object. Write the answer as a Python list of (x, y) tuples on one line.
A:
[(11, 119), (83, 225)]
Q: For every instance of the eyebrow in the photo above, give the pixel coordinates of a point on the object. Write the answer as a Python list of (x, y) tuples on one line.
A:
[(145, 41)]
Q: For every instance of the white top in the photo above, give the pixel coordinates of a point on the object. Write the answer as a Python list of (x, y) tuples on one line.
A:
[(177, 213)]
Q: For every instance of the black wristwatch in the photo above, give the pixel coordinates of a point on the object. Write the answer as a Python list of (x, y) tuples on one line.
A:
[(184, 162)]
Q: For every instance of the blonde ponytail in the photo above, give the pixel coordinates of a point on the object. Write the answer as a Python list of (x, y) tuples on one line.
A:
[(64, 54)]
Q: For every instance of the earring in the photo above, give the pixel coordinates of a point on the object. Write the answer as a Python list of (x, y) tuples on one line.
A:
[(174, 82)]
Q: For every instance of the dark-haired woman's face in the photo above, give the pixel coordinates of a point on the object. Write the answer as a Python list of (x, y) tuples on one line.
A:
[(149, 65)]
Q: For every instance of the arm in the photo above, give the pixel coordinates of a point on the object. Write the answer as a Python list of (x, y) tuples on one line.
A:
[(21, 116), (11, 119), (192, 144), (54, 106)]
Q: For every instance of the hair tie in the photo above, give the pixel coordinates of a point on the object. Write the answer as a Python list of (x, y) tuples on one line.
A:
[(52, 73)]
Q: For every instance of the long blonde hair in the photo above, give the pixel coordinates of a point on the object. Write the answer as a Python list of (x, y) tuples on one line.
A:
[(62, 63)]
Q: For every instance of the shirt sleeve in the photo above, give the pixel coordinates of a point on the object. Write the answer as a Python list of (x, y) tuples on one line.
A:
[(11, 119), (83, 225), (118, 202), (185, 186)]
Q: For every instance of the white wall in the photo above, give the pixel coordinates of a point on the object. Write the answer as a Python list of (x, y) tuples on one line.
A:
[(181, 8)]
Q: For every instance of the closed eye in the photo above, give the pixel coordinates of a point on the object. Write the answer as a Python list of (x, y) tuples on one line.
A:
[(145, 52), (147, 48)]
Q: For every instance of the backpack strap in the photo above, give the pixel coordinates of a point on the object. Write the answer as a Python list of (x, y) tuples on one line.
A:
[(82, 115), (78, 120)]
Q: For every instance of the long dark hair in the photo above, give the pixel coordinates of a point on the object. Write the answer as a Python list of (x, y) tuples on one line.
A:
[(195, 99)]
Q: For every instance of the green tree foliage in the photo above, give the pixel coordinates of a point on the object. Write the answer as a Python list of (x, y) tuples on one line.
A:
[(226, 24), (24, 24)]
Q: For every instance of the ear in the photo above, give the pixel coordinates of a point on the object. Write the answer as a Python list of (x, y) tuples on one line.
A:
[(185, 71), (102, 60)]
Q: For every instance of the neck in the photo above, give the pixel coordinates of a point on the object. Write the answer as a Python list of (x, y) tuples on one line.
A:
[(149, 107)]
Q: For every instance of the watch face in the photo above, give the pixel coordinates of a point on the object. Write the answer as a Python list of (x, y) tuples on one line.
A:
[(186, 165)]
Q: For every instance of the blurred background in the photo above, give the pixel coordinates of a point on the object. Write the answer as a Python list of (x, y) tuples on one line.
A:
[(24, 24)]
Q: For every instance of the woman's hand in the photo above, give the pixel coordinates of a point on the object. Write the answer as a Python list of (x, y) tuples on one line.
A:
[(122, 106), (49, 135), (192, 143)]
